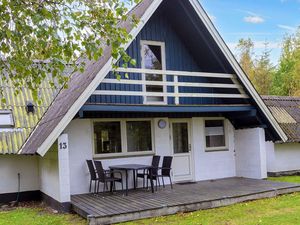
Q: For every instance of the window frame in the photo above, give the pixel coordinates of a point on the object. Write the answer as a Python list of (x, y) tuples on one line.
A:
[(164, 79), (221, 148), (124, 150), (10, 113)]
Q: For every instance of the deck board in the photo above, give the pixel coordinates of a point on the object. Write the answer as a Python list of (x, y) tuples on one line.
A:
[(109, 208)]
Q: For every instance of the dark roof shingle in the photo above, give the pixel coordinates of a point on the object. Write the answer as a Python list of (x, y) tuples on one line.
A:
[(286, 111)]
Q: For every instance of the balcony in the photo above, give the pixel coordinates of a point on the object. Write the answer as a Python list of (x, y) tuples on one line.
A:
[(175, 86)]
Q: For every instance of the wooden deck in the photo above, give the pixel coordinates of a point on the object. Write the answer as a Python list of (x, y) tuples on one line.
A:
[(112, 208)]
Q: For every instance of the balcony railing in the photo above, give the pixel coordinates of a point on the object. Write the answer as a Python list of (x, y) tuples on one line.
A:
[(176, 84)]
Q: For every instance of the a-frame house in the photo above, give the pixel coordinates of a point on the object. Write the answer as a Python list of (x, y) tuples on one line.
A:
[(187, 98)]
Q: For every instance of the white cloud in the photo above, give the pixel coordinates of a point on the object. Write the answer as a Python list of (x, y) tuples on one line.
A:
[(286, 27), (254, 19)]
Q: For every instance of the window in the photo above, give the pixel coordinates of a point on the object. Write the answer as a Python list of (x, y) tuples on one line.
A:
[(153, 59), (107, 137), (6, 119), (215, 135), (123, 137), (138, 136)]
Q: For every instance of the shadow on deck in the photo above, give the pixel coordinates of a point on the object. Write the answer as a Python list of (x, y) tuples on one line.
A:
[(112, 208)]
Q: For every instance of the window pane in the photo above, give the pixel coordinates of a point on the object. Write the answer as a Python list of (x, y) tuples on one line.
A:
[(107, 137), (153, 60), (215, 133), (215, 141), (139, 136), (6, 119), (154, 88), (180, 137), (155, 99), (154, 77), (152, 57)]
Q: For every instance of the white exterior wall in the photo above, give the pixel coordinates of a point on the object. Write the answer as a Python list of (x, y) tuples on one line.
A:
[(214, 164), (207, 165), (11, 165), (49, 175), (250, 150), (54, 173), (270, 153), (283, 157)]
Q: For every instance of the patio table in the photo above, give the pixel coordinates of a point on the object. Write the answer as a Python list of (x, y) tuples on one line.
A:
[(134, 168)]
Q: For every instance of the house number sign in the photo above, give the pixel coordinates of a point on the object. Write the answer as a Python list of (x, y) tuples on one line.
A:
[(63, 142)]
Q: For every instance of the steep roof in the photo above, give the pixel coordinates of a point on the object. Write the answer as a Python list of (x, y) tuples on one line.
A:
[(11, 139), (82, 85), (286, 111)]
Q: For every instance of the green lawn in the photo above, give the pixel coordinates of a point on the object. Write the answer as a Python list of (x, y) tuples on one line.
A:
[(291, 179), (282, 210), (37, 216)]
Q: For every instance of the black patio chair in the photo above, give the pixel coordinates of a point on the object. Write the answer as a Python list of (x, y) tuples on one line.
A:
[(107, 176), (166, 169), (93, 175), (144, 174)]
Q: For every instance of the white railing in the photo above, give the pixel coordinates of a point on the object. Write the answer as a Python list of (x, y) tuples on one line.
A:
[(176, 84)]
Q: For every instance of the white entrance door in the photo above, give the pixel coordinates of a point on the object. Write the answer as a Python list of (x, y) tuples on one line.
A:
[(182, 152)]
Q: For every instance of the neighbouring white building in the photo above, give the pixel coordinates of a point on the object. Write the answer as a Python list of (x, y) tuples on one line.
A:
[(284, 157)]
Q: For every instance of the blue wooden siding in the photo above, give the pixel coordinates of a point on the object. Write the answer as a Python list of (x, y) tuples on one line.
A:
[(178, 57)]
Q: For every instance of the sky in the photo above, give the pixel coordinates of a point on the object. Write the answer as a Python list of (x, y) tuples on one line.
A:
[(261, 20)]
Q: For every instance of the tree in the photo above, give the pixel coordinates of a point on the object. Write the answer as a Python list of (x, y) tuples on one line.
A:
[(258, 69), (287, 78), (245, 56), (263, 72), (58, 32)]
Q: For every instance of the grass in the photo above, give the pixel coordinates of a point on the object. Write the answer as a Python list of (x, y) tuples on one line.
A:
[(291, 179), (274, 211), (38, 216)]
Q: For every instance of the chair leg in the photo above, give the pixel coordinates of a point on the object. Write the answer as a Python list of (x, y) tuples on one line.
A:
[(90, 188), (98, 186), (104, 187), (163, 181), (171, 182), (158, 181), (95, 187), (147, 183)]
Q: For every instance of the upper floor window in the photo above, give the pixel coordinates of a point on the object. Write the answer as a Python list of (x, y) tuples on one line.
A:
[(6, 119), (215, 135), (153, 58)]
